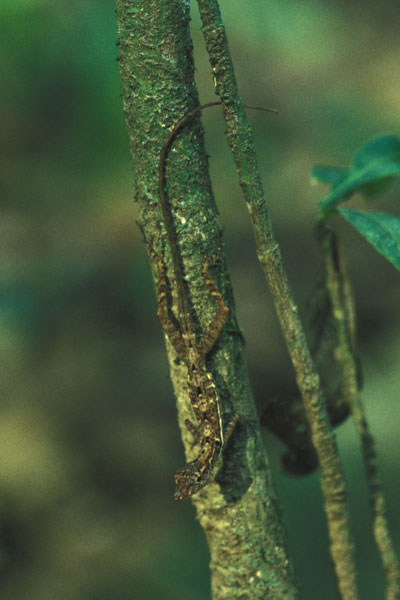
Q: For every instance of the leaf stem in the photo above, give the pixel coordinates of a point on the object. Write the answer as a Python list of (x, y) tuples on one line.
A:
[(340, 294)]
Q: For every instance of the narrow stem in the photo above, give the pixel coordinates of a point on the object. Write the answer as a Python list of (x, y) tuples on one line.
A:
[(340, 294), (242, 146)]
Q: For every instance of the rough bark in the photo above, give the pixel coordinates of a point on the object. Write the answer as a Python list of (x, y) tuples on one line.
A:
[(239, 512)]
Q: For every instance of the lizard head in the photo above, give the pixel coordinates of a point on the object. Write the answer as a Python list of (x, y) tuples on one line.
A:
[(189, 480)]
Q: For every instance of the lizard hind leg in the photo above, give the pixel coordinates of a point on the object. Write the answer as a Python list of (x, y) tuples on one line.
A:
[(173, 333), (213, 331)]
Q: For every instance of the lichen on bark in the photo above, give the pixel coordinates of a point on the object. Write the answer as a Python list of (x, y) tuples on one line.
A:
[(240, 513)]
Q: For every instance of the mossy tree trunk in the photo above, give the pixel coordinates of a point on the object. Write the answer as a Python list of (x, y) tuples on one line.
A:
[(239, 513)]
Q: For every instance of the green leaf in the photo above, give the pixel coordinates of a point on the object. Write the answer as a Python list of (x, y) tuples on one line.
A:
[(380, 147), (332, 175), (380, 229), (375, 188), (372, 169)]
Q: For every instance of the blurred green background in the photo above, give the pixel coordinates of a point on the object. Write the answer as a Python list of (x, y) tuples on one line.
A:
[(88, 435)]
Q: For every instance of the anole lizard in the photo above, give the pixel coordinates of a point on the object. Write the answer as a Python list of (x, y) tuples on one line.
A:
[(191, 349)]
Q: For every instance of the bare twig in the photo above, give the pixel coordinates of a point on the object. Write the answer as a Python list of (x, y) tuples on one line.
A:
[(241, 144), (339, 289)]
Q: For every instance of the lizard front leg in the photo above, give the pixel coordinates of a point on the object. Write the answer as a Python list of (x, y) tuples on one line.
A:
[(188, 480), (198, 473)]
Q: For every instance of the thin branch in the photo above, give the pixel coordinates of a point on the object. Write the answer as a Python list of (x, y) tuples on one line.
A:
[(241, 144), (339, 289)]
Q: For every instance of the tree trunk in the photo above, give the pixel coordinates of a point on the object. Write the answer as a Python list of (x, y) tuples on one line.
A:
[(239, 512)]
